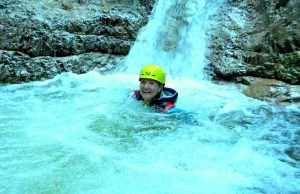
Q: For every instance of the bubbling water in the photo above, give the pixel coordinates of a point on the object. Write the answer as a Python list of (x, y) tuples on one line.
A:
[(84, 133)]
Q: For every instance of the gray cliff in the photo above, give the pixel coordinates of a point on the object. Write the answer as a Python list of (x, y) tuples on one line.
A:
[(252, 43)]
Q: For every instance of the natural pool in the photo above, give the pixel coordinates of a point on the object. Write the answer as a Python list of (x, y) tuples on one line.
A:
[(84, 134)]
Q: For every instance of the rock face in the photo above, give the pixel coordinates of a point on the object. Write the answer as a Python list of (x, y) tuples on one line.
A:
[(260, 39), (41, 38), (256, 38), (255, 43)]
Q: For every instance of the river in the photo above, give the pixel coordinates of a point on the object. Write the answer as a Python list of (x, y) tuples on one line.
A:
[(85, 134)]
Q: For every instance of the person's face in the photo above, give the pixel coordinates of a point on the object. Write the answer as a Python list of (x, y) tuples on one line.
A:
[(149, 88)]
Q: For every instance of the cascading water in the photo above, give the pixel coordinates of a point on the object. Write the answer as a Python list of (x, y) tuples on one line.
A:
[(83, 134), (174, 38)]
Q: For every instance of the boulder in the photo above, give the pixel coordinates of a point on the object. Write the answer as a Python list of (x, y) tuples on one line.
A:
[(271, 90)]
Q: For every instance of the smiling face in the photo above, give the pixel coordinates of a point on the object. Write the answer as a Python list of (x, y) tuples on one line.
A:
[(149, 89)]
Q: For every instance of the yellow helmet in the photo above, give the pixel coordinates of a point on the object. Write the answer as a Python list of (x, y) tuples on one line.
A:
[(154, 72)]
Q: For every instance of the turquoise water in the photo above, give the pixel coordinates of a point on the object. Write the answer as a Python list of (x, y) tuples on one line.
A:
[(84, 134)]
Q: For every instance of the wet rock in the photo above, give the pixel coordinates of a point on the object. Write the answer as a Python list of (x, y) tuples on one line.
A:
[(66, 35), (271, 90), (256, 38), (16, 67), (246, 40)]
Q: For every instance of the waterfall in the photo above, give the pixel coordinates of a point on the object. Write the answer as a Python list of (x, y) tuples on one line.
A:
[(174, 38), (85, 134)]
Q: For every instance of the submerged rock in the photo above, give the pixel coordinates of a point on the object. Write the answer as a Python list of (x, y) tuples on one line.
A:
[(271, 90)]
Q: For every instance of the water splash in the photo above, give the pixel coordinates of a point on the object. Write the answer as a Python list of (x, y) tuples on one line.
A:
[(84, 134)]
